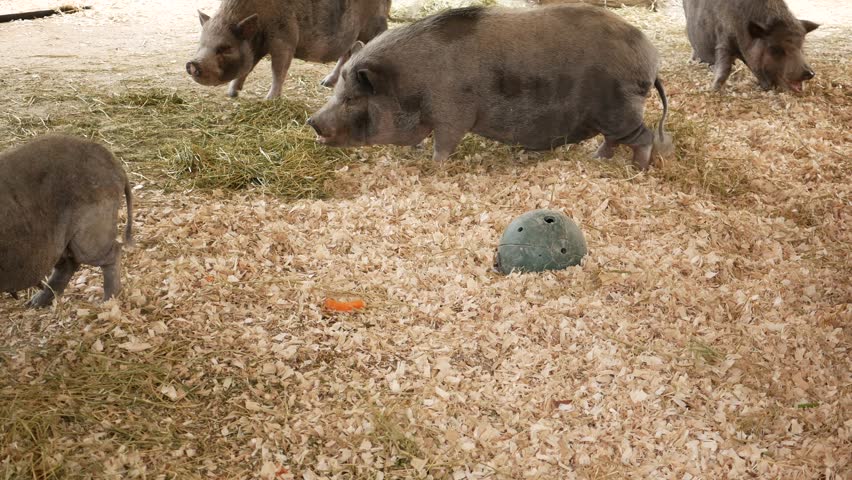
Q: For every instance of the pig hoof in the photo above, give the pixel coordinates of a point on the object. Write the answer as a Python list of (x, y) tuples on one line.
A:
[(605, 151), (41, 299), (642, 156), (328, 82)]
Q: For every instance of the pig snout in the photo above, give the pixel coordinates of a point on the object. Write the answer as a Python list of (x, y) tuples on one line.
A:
[(313, 124), (194, 69), (808, 74), (322, 132)]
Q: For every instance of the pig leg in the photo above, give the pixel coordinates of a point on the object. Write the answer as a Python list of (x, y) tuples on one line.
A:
[(373, 29), (282, 55), (94, 243), (331, 79), (112, 277), (236, 86), (445, 141), (722, 67), (607, 149), (62, 273), (642, 156), (109, 263), (376, 26), (640, 140)]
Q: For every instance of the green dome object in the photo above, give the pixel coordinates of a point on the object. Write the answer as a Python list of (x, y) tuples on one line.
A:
[(540, 240)]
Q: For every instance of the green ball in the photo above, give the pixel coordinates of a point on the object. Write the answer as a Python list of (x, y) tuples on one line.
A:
[(540, 240)]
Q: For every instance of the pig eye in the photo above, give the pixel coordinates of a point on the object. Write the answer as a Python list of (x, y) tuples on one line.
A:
[(776, 51), (223, 50)]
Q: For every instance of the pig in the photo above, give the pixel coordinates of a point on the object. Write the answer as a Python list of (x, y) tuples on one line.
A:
[(761, 33), (535, 77), (244, 31), (59, 201)]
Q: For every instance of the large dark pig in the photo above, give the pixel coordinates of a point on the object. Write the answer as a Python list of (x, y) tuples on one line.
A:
[(761, 33), (538, 78), (59, 201), (244, 31)]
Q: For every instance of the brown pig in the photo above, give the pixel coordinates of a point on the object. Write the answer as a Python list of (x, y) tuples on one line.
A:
[(538, 78), (761, 33), (59, 201), (244, 31)]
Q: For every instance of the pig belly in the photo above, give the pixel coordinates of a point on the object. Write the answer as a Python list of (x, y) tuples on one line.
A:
[(19, 272), (331, 39), (24, 261), (324, 52), (541, 112), (538, 130), (702, 29), (704, 45)]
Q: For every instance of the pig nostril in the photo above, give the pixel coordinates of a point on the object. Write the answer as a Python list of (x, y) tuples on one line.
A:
[(192, 69), (314, 125), (809, 74)]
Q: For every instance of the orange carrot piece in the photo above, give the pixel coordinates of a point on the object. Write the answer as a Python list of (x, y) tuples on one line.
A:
[(334, 305)]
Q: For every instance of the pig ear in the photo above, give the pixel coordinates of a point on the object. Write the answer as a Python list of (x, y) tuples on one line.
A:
[(368, 79), (757, 30), (203, 17), (356, 48), (809, 25), (247, 28)]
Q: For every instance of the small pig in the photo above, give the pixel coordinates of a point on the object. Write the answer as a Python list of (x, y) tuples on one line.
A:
[(761, 33), (244, 31), (59, 201), (538, 78)]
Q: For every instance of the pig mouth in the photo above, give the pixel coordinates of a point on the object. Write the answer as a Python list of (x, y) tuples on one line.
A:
[(328, 140), (336, 141), (208, 82), (796, 86), (323, 137)]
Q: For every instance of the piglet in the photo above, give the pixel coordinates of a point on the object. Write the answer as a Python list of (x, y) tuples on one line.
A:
[(59, 202)]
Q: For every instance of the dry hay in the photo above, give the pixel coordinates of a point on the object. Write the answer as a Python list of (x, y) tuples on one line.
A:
[(199, 143), (705, 336)]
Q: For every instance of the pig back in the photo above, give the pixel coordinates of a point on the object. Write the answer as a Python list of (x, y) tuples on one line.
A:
[(560, 74), (318, 30), (563, 42)]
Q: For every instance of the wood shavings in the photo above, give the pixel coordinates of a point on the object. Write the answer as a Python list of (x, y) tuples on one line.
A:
[(705, 336)]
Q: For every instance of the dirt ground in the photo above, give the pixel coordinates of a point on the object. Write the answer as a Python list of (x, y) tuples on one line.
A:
[(707, 334)]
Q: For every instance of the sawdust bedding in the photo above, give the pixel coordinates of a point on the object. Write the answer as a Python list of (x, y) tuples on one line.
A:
[(706, 335)]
